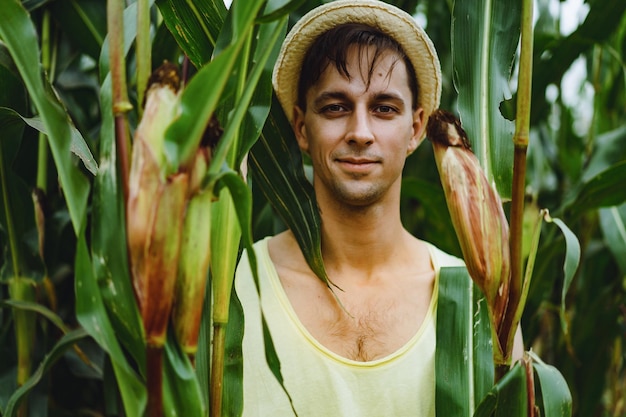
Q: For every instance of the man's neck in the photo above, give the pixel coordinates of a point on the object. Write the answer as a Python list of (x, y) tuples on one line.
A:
[(364, 240)]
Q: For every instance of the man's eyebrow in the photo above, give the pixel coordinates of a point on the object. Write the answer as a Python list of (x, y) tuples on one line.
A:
[(329, 95), (387, 96), (342, 96)]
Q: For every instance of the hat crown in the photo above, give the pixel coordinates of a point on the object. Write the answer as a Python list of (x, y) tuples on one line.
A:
[(389, 19)]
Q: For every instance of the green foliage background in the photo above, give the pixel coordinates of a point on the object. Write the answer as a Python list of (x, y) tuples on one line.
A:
[(576, 168)]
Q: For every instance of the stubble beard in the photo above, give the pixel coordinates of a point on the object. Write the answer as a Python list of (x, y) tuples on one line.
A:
[(356, 193)]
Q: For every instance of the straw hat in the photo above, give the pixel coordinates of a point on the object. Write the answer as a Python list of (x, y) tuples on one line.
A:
[(387, 18)]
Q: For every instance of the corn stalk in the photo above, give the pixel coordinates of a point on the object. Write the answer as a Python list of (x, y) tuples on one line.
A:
[(520, 141), (121, 104), (21, 289)]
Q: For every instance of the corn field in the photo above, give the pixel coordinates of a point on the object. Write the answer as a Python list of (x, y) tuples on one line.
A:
[(141, 150)]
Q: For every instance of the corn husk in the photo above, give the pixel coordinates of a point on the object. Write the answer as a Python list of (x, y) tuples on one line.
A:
[(476, 211), (194, 260), (155, 211)]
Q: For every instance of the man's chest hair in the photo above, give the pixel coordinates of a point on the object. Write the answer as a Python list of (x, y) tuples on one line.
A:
[(367, 328)]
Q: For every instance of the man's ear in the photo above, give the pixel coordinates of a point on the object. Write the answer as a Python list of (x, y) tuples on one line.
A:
[(419, 126), (299, 129)]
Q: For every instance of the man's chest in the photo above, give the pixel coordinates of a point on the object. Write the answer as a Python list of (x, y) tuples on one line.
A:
[(365, 323)]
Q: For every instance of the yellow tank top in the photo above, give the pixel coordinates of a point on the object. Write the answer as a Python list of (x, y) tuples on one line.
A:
[(320, 382)]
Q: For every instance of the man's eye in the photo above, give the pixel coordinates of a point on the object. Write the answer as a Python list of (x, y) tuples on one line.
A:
[(334, 108), (385, 109)]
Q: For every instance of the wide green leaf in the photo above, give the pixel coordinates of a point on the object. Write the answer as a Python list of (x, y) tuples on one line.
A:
[(19, 34), (609, 149), (241, 193), (203, 93), (463, 360), (233, 360), (557, 399), (108, 244), (613, 225), (78, 145), (92, 315), (603, 190), (195, 25), (508, 398), (485, 34), (226, 234), (266, 51), (181, 391), (276, 166), (255, 115)]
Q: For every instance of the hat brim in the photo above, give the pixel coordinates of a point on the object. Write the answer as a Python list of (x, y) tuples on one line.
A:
[(387, 18)]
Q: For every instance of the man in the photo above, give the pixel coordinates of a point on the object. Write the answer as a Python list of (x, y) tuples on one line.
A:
[(357, 80)]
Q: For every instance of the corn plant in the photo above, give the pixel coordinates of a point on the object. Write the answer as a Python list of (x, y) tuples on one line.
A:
[(163, 186)]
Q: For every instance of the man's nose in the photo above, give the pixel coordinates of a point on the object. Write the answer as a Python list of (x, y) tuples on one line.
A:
[(360, 128)]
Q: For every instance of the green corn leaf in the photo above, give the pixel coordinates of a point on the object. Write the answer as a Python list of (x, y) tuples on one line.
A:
[(108, 244), (233, 361), (463, 360), (19, 35), (181, 391), (485, 34), (66, 342), (258, 106), (241, 193), (508, 397), (225, 237), (483, 371), (39, 309), (282, 10), (195, 25), (201, 96), (557, 399), (276, 166), (613, 224), (572, 260), (609, 149), (603, 190), (268, 46), (78, 146), (92, 315)]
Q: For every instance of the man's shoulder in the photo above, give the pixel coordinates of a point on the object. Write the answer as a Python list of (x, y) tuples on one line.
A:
[(279, 249), (443, 259)]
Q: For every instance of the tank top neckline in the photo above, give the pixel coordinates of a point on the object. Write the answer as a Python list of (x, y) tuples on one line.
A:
[(281, 295)]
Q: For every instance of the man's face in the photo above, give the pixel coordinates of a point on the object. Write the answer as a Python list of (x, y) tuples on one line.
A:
[(358, 135)]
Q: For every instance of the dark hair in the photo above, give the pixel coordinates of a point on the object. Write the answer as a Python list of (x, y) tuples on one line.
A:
[(332, 47)]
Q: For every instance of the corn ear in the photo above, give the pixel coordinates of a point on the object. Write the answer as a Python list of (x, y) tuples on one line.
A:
[(155, 210), (476, 211), (194, 260)]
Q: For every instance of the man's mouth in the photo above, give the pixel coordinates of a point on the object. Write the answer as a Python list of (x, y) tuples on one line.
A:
[(357, 163)]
